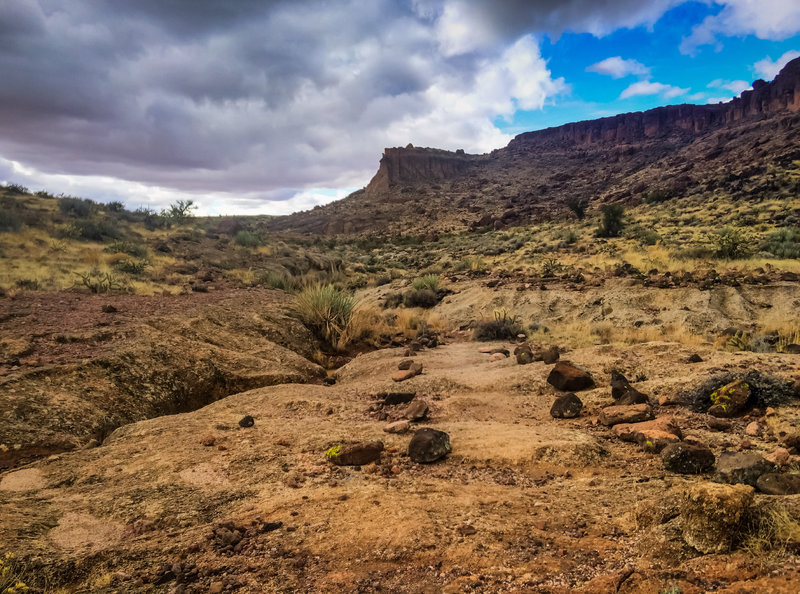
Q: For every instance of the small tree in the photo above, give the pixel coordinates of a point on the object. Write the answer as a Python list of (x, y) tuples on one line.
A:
[(578, 206), (180, 211), (731, 243), (613, 221)]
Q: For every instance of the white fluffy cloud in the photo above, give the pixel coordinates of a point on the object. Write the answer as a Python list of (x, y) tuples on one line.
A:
[(766, 19), (767, 69), (617, 67), (646, 87)]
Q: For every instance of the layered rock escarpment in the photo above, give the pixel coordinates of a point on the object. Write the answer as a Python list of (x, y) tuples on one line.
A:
[(725, 147)]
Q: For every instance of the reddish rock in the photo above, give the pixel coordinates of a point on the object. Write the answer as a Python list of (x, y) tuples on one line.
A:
[(403, 375), (568, 377), (634, 413), (359, 454), (397, 426)]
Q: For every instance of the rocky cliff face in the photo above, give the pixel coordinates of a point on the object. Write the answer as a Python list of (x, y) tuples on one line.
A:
[(411, 164), (678, 149)]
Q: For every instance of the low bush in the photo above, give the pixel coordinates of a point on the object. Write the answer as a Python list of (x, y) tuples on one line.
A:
[(9, 221), (247, 239), (127, 247), (98, 281), (784, 243), (132, 266), (424, 298), (504, 326), (731, 243), (77, 207), (96, 229), (470, 263)]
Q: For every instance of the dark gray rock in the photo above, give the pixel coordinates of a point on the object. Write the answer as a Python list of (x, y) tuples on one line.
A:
[(775, 483), (687, 458), (741, 467), (567, 406), (429, 445)]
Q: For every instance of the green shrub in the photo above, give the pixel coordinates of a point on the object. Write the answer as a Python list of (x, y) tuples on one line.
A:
[(658, 196), (16, 189), (420, 298), (115, 206), (470, 263), (278, 280), (326, 311), (612, 221), (504, 326), (731, 243), (100, 282), (9, 221), (77, 207), (132, 266), (429, 281), (127, 247), (247, 239), (784, 243), (96, 229), (180, 211)]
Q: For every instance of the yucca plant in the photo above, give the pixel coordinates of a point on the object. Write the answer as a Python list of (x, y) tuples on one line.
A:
[(326, 311), (429, 281)]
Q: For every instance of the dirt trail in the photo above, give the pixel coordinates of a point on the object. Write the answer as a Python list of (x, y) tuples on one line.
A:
[(524, 503)]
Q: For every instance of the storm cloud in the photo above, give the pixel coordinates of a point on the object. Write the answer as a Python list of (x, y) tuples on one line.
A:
[(263, 100)]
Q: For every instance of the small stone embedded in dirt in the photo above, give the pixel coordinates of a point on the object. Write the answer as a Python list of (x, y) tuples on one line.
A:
[(713, 514), (108, 308), (730, 400), (428, 445), (269, 526), (792, 349), (397, 426), (416, 411), (633, 413), (467, 530), (329, 380), (501, 350), (568, 377), (695, 358), (497, 357), (486, 350), (567, 406), (247, 421), (403, 375), (687, 458), (208, 441), (774, 483), (405, 364), (550, 355), (779, 456), (359, 454), (718, 424), (753, 429), (635, 431), (741, 467)]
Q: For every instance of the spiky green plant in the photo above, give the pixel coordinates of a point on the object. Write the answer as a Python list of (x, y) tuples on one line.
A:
[(326, 311)]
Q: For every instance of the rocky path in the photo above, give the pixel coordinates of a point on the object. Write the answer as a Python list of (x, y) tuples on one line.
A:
[(211, 501)]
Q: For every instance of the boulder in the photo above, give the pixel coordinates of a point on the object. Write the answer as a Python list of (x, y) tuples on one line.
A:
[(713, 514), (550, 356), (634, 413), (687, 458), (568, 377), (428, 445), (730, 400), (358, 454), (775, 483), (403, 375), (524, 354), (405, 364), (417, 410), (741, 467), (623, 392), (567, 406)]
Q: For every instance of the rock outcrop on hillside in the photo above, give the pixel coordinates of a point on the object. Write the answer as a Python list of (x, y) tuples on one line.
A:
[(675, 148)]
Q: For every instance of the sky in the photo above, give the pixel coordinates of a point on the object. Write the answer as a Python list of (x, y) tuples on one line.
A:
[(275, 106)]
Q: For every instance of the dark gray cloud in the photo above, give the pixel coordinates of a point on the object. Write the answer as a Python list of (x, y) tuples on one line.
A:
[(265, 98)]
